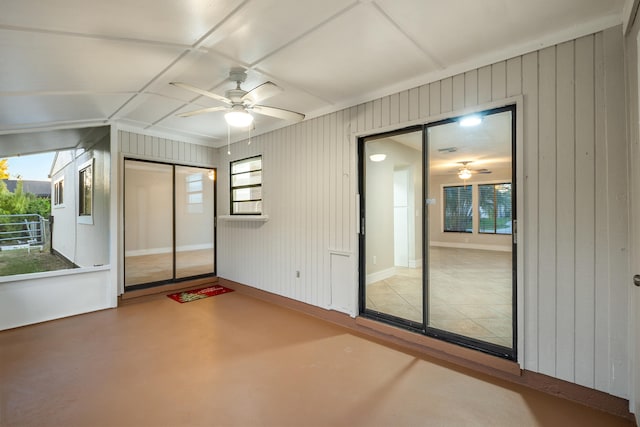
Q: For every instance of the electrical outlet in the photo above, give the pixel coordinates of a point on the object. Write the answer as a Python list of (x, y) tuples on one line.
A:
[(374, 260)]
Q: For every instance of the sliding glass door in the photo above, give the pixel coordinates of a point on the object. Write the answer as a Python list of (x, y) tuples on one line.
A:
[(437, 250), (194, 222), (169, 213), (393, 284)]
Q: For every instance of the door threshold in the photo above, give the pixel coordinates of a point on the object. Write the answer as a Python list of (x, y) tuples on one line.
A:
[(170, 287)]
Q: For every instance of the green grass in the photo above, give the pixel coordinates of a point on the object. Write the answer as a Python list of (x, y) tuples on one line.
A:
[(20, 261)]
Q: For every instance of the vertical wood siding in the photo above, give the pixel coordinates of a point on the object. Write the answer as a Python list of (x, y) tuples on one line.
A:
[(165, 150), (574, 213)]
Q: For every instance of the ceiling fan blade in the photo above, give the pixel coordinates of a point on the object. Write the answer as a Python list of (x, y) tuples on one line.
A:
[(202, 110), (278, 113), (264, 91), (202, 92)]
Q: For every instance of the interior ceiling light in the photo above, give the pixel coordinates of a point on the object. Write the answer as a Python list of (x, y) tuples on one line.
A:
[(238, 117), (377, 157), (464, 173), (470, 121)]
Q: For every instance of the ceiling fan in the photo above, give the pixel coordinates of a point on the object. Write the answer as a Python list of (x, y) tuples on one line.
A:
[(239, 102), (465, 173)]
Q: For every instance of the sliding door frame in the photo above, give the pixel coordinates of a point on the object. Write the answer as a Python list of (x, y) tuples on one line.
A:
[(362, 266), (173, 231), (424, 328)]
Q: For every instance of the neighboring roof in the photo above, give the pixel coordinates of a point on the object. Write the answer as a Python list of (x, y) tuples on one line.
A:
[(39, 188)]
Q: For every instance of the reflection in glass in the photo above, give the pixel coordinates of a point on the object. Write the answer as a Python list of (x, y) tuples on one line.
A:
[(393, 215), (194, 222), (470, 249), (148, 219), (466, 292)]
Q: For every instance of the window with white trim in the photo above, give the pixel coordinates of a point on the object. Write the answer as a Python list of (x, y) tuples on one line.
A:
[(85, 190), (494, 208), (246, 186), (58, 192), (458, 209)]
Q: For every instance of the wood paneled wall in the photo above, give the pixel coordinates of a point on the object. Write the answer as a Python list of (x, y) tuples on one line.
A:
[(165, 150), (574, 217)]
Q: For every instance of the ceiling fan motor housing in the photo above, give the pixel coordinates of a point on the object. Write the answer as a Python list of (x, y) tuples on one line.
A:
[(238, 75), (235, 95)]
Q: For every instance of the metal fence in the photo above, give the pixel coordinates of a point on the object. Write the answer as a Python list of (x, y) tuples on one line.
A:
[(24, 231)]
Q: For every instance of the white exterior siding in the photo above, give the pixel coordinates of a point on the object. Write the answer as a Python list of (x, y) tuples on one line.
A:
[(86, 245), (574, 223)]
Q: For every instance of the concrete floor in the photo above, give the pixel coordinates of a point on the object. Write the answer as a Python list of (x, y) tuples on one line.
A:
[(232, 360)]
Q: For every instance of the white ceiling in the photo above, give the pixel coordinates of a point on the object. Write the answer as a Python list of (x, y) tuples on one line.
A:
[(79, 63)]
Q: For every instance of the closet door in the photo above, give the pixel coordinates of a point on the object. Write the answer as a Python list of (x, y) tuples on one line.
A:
[(194, 214), (148, 222)]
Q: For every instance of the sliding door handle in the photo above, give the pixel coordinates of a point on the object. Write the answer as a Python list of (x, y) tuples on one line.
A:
[(636, 280)]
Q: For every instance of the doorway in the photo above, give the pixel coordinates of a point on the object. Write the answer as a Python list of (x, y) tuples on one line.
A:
[(169, 223), (437, 243)]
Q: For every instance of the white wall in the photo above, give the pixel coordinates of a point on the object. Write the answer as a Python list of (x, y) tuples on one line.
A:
[(85, 245), (38, 297), (64, 214), (574, 223), (92, 245), (148, 201), (380, 207), (631, 57)]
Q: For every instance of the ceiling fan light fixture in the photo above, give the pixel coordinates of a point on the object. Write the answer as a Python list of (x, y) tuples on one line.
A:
[(377, 157), (238, 118), (464, 173)]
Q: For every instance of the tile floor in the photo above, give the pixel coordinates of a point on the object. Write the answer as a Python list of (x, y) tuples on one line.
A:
[(470, 293)]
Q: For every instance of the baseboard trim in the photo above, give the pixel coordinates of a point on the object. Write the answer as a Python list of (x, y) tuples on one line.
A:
[(447, 353)]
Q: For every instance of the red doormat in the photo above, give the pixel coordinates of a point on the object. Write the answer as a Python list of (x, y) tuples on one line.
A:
[(195, 294)]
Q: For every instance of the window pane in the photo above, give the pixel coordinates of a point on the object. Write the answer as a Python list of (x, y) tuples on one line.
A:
[(503, 209), (85, 191), (246, 165), (250, 193), (247, 207), (194, 186), (246, 174), (249, 178), (486, 208), (458, 209), (495, 208)]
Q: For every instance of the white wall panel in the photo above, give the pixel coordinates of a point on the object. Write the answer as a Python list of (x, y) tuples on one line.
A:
[(529, 212), (165, 150), (573, 217)]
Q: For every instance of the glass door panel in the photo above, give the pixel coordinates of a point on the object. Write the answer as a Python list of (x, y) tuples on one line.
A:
[(393, 285), (437, 253), (194, 221), (148, 220), (470, 250)]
